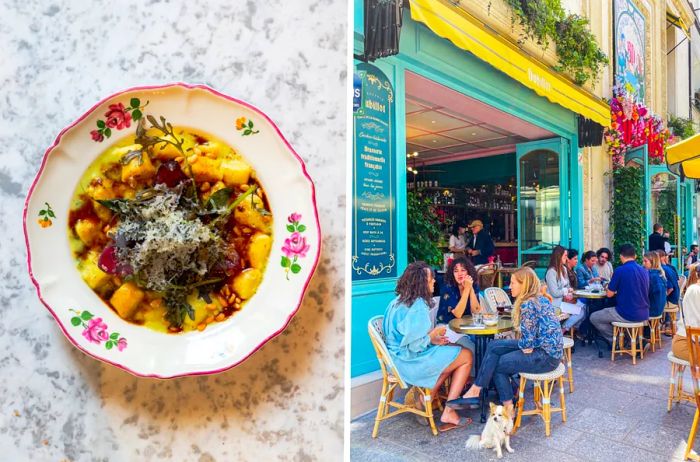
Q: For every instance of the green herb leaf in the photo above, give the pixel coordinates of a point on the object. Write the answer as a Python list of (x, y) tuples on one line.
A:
[(295, 268), (290, 228), (115, 205), (301, 228), (286, 262), (75, 321), (100, 124), (109, 344), (51, 214), (114, 336), (86, 315), (42, 213), (250, 124), (219, 200), (247, 132), (136, 114), (107, 132), (135, 102)]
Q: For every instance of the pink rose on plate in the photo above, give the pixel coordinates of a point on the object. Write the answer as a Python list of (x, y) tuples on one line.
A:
[(117, 117), (96, 331), (121, 344), (294, 218), (295, 246), (97, 136)]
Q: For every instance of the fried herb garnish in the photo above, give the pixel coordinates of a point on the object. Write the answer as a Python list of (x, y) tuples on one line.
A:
[(168, 137)]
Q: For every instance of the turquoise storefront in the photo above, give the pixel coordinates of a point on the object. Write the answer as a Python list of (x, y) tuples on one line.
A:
[(425, 54)]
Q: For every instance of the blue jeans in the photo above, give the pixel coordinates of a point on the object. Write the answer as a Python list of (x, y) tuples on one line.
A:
[(504, 358), (576, 319)]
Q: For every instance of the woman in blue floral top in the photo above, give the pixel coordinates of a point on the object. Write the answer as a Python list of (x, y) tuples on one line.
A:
[(538, 350)]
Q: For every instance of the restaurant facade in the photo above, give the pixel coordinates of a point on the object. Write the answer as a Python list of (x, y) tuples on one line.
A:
[(477, 120)]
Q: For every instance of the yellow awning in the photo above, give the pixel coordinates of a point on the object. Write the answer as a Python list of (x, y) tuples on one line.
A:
[(683, 158), (678, 22), (449, 21)]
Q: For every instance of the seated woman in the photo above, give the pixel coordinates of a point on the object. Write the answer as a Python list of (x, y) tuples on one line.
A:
[(458, 239), (458, 296), (691, 313), (539, 349), (571, 263), (657, 284), (560, 289), (587, 270), (420, 351)]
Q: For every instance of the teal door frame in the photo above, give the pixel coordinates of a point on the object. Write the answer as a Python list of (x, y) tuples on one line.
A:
[(655, 170), (640, 157), (560, 146), (690, 212)]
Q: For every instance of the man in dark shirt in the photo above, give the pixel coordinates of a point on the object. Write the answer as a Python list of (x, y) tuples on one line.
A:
[(657, 238), (630, 287), (480, 246)]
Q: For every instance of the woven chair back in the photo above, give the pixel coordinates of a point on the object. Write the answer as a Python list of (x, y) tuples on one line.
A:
[(693, 336), (375, 326), (487, 275), (495, 296)]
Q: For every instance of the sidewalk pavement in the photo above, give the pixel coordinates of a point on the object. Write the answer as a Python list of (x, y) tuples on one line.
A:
[(617, 412)]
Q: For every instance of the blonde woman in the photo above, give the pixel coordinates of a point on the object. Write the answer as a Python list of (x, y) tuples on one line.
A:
[(691, 313), (658, 284), (538, 350)]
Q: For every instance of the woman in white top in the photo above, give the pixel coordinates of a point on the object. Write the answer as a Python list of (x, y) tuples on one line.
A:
[(691, 313), (559, 287), (605, 269), (458, 241)]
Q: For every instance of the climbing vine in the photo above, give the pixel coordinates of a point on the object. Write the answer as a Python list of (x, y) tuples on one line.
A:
[(627, 210)]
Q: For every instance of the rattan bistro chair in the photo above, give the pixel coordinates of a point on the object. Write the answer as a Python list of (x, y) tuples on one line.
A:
[(693, 337), (391, 379), (486, 274), (495, 296), (543, 387)]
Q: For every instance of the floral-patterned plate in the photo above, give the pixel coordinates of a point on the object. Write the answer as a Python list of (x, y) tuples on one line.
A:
[(86, 320)]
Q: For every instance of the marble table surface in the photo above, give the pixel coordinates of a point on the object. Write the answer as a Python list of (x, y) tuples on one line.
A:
[(286, 57)]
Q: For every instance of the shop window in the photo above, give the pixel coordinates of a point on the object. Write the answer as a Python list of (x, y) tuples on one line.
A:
[(663, 203), (539, 210)]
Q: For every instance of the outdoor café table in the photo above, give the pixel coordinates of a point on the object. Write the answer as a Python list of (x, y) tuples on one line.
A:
[(596, 296), (482, 336)]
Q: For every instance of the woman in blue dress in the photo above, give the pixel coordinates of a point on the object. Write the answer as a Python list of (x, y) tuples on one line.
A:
[(458, 296), (539, 349), (419, 351)]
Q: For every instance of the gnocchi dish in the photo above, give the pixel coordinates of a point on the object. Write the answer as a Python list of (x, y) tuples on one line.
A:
[(171, 228)]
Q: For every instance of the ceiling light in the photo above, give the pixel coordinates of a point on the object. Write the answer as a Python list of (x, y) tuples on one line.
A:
[(432, 121), (434, 141), (415, 154), (473, 133)]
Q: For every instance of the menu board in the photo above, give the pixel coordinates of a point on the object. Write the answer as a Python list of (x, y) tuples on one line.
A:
[(374, 173)]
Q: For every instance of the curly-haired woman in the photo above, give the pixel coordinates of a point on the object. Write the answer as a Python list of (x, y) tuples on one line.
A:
[(421, 352)]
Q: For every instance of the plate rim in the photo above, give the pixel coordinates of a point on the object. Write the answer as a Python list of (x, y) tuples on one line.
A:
[(85, 115)]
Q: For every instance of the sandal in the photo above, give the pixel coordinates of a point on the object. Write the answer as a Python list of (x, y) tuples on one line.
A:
[(463, 422)]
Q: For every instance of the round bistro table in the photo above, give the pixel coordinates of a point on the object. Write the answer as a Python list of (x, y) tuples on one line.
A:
[(482, 336), (591, 336)]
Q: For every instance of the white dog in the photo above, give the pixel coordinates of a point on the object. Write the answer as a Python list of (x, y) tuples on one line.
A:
[(496, 432)]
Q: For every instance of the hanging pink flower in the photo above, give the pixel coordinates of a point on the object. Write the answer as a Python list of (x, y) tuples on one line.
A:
[(117, 117), (96, 331), (294, 218), (295, 246), (121, 344)]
